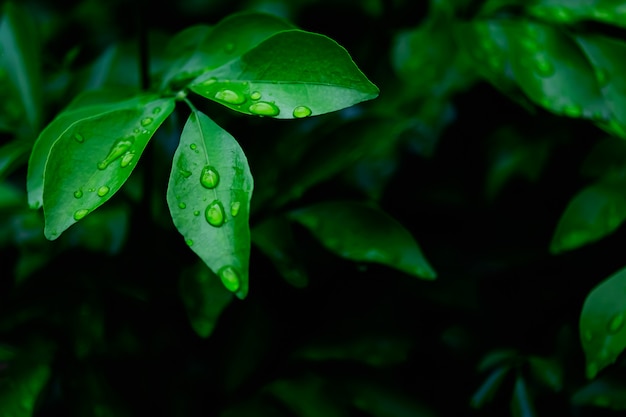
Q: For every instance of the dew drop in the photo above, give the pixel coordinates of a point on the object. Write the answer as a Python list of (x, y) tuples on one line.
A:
[(255, 95), (127, 158), (136, 130), (209, 178), (156, 110), (230, 278), (182, 205), (301, 111), (193, 146), (79, 214), (230, 97), (196, 213), (102, 191), (616, 323), (234, 208), (263, 108), (146, 121), (215, 213), (79, 138), (78, 193), (119, 148), (189, 242)]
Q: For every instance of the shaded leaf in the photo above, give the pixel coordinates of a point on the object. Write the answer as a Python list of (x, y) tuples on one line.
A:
[(13, 155), (489, 387), (93, 152), (204, 298), (547, 371), (379, 400), (360, 232), (208, 195), (602, 330), (498, 358), (604, 393), (592, 214), (292, 74), (308, 396), (522, 402)]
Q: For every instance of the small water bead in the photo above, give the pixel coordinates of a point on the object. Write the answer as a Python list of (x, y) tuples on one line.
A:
[(263, 108), (127, 158), (230, 97), (156, 110), (209, 82), (230, 278), (79, 214), (209, 178), (146, 121), (119, 148), (616, 323), (78, 193), (102, 191), (215, 213), (255, 95), (301, 111), (182, 205), (79, 138), (136, 130), (193, 146), (196, 212), (189, 242), (234, 208)]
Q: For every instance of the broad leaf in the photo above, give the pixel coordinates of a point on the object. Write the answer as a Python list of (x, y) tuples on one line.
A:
[(292, 74), (204, 298), (602, 321), (19, 48), (363, 233), (208, 195), (201, 48), (88, 154), (592, 214)]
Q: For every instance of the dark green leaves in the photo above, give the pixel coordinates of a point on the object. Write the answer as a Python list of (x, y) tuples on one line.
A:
[(209, 198), (87, 153), (602, 323), (363, 233)]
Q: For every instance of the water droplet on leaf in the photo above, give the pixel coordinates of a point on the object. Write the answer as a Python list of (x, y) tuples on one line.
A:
[(182, 205), (263, 108), (156, 110), (189, 242), (102, 191), (146, 121), (78, 193), (215, 213), (230, 278), (193, 146), (616, 323), (120, 147), (79, 138), (234, 208), (79, 214), (209, 178), (230, 97), (255, 95), (196, 213), (127, 158), (301, 111)]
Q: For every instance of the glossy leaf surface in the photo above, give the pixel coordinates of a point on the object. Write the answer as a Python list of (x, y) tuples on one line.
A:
[(208, 195)]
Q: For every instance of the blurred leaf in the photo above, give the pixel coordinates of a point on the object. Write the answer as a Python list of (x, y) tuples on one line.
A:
[(489, 387), (258, 406), (274, 238), (603, 392), (94, 395), (498, 358), (104, 231), (602, 320), (89, 328), (208, 195), (522, 403), (607, 160), (19, 48), (10, 195), (204, 298), (7, 353), (592, 214), (308, 396), (547, 371), (571, 11), (359, 232), (13, 155), (379, 400)]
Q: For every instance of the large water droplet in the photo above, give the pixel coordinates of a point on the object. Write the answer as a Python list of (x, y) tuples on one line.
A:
[(79, 214), (209, 178), (230, 278), (255, 95), (78, 193), (230, 97), (234, 208), (102, 191), (616, 323), (263, 108), (301, 111), (119, 148), (127, 158), (146, 121), (79, 138), (215, 213)]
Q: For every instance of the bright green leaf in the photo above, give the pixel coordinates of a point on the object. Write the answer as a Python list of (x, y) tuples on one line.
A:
[(602, 320), (291, 75), (204, 298), (208, 195), (489, 387), (604, 393), (522, 402), (88, 154), (592, 214), (19, 48), (363, 233)]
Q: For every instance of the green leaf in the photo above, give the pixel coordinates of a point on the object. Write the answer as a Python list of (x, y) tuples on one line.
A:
[(204, 298), (202, 48), (489, 387), (602, 320), (571, 11), (522, 403), (293, 74), (19, 48), (604, 393), (363, 233), (88, 154), (592, 214), (208, 195)]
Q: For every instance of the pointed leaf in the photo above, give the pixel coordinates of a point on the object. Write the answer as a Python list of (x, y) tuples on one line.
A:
[(204, 298), (592, 214), (602, 320), (208, 196), (88, 154), (362, 233), (19, 46), (522, 403), (489, 387), (292, 74)]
